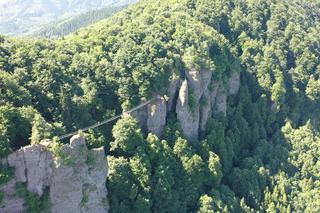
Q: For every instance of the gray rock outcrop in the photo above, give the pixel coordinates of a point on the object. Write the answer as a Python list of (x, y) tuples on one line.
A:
[(141, 115), (205, 110), (157, 112), (76, 176), (220, 101), (234, 83), (199, 80), (194, 97), (187, 117), (11, 203)]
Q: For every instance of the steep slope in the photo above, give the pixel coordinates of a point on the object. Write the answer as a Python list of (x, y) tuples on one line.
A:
[(64, 27), (17, 17)]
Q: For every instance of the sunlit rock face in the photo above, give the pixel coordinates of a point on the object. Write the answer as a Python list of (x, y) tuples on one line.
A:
[(76, 177), (157, 112), (188, 117), (194, 99)]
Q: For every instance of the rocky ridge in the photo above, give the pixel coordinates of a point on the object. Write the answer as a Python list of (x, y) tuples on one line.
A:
[(208, 97)]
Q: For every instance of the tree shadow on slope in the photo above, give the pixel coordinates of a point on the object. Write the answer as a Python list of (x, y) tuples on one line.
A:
[(255, 148)]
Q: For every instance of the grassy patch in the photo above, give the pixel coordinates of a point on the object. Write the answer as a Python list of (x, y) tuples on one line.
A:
[(91, 160), (192, 100), (34, 203), (6, 173), (56, 149), (84, 200), (1, 197)]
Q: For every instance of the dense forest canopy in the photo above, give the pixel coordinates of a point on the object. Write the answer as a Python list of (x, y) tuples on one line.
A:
[(263, 155)]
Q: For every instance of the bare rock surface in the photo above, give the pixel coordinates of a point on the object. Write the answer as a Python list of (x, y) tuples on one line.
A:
[(76, 179), (234, 83), (205, 110), (11, 202), (220, 101), (199, 81), (157, 112), (141, 115), (187, 117)]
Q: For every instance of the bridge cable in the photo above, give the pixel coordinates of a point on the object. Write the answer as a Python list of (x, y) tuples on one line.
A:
[(106, 121)]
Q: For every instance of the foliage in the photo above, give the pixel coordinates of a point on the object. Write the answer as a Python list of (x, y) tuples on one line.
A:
[(6, 173), (33, 202), (57, 149)]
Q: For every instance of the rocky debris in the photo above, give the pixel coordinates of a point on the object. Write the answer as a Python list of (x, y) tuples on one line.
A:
[(76, 176), (157, 112), (188, 119), (234, 83)]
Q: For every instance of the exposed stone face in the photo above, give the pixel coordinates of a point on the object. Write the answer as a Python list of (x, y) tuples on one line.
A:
[(141, 115), (205, 110), (213, 93), (220, 101), (16, 160), (11, 202), (38, 168), (171, 92), (157, 112), (234, 83), (189, 120), (76, 181), (199, 81)]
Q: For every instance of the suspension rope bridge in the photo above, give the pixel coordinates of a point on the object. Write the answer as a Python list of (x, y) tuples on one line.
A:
[(108, 120)]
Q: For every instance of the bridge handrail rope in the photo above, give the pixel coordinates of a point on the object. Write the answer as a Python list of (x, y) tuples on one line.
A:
[(108, 120)]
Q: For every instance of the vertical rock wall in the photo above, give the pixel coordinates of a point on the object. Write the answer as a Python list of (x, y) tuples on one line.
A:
[(76, 180), (209, 97)]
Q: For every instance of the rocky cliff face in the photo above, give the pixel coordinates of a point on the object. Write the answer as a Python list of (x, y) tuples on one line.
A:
[(75, 176), (208, 98)]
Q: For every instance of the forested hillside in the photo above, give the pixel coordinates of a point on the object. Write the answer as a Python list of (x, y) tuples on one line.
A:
[(261, 155), (61, 28), (18, 17)]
